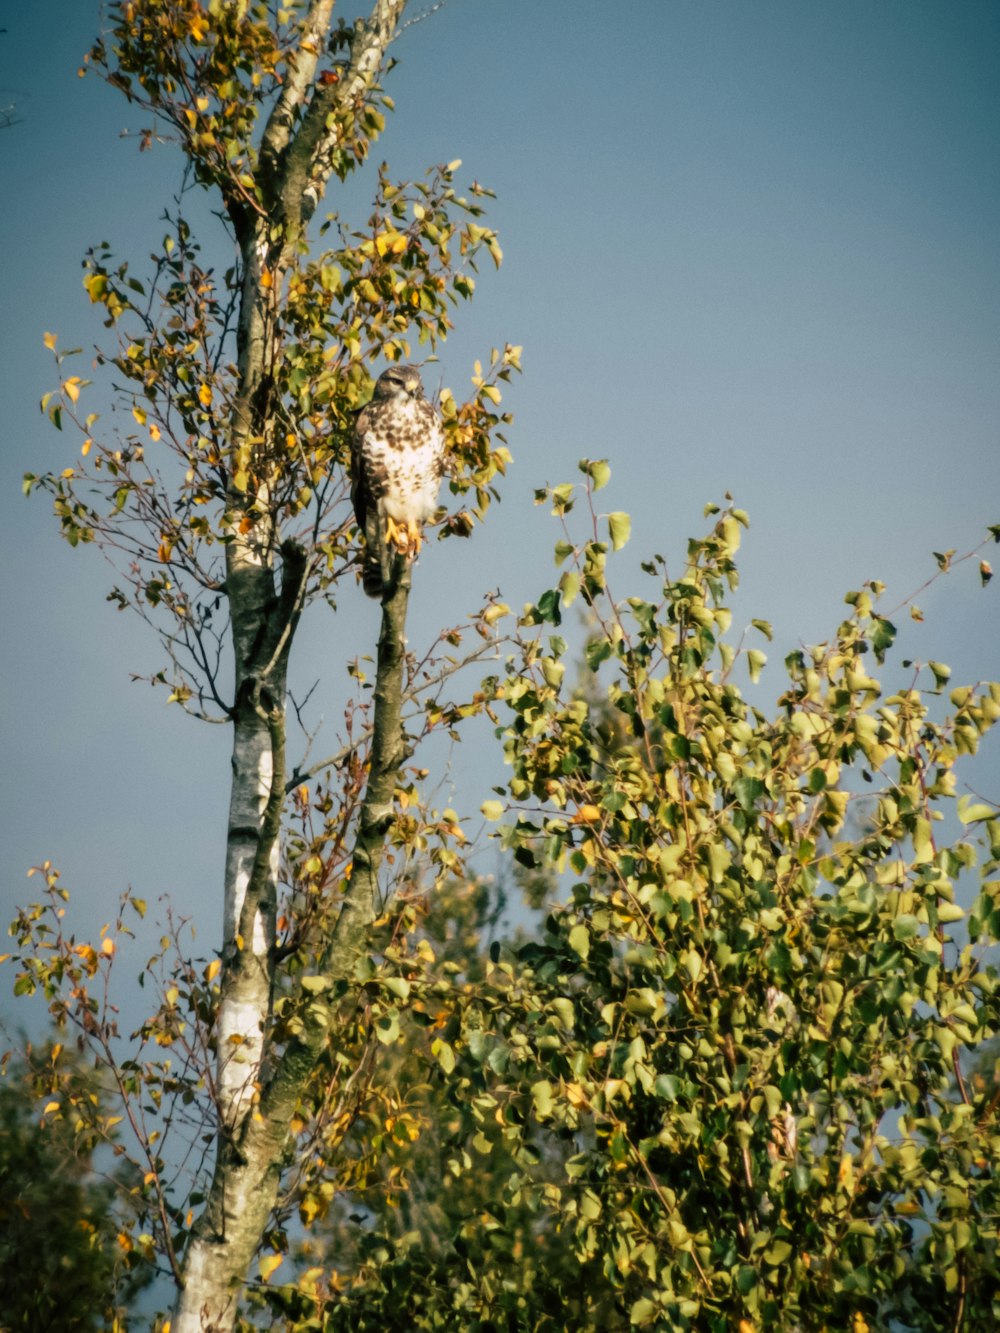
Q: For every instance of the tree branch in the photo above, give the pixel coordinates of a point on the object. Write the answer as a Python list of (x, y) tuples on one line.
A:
[(298, 81), (298, 166), (388, 753)]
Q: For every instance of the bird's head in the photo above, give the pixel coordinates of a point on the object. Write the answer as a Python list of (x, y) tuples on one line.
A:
[(397, 380)]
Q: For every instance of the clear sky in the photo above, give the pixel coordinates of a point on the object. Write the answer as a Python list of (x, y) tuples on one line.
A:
[(750, 245)]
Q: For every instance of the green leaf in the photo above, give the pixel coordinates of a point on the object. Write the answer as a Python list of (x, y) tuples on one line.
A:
[(397, 986), (973, 814), (544, 1101), (667, 1086), (315, 985), (643, 1312), (548, 606), (445, 1055), (600, 474), (579, 940), (905, 927), (883, 636), (619, 529), (777, 1253), (748, 791), (387, 1028), (596, 652), (569, 586)]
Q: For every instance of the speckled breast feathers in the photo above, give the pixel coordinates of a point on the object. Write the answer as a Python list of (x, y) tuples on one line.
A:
[(397, 461)]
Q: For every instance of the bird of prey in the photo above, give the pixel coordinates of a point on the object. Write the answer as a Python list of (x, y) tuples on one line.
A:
[(397, 461)]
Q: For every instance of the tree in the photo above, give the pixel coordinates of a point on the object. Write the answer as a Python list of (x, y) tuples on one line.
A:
[(60, 1259), (225, 499), (750, 1011)]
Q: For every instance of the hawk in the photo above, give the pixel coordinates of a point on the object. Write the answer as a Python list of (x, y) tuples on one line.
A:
[(397, 461)]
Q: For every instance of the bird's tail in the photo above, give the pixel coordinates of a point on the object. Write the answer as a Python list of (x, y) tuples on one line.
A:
[(371, 574), (380, 571)]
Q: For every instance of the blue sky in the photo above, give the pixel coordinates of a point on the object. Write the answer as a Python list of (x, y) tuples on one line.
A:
[(749, 247)]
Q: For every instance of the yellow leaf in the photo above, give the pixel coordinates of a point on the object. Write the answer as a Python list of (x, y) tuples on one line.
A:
[(213, 969), (205, 395), (72, 388), (845, 1172), (50, 1106), (108, 946), (268, 1265), (139, 415), (154, 431), (86, 447), (266, 278), (587, 814), (50, 341)]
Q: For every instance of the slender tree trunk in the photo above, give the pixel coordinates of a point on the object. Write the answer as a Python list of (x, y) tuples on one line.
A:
[(248, 1167)]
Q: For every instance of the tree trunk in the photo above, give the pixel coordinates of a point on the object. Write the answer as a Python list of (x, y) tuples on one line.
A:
[(248, 1164), (258, 1090)]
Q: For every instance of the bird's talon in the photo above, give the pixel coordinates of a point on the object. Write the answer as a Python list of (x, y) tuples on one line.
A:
[(396, 536)]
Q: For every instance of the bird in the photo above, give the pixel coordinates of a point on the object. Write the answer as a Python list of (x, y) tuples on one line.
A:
[(397, 462)]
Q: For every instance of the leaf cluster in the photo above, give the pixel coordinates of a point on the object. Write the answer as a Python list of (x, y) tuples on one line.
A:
[(749, 1013)]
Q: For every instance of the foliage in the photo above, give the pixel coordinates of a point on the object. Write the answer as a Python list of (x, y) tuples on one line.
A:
[(749, 1012), (64, 1258), (399, 1234), (220, 491)]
